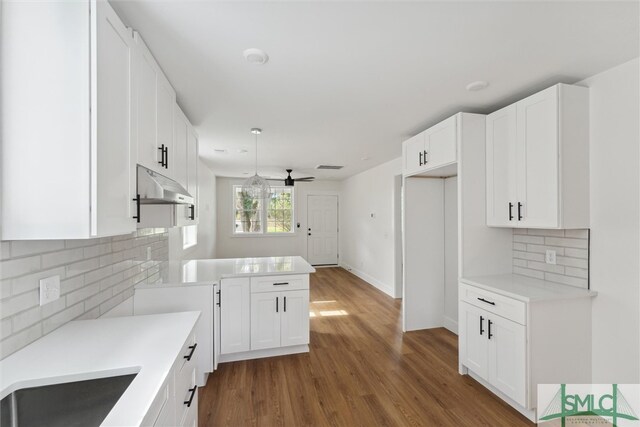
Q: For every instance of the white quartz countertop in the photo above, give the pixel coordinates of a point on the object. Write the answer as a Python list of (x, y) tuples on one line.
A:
[(527, 289), (87, 349), (210, 271)]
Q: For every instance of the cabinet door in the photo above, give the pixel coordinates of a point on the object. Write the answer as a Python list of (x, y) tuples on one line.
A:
[(507, 357), (473, 339), (235, 315), (537, 159), (192, 169), (501, 167), (113, 160), (295, 318), (440, 143), (146, 104), (166, 101), (181, 126), (414, 154), (266, 308)]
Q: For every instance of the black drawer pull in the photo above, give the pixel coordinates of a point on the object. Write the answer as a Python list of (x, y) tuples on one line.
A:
[(219, 298), (192, 210), (280, 283), (285, 304), (488, 302), (420, 158), (193, 393), (490, 334), (519, 211), (510, 211), (193, 349), (481, 321), (162, 153), (137, 200)]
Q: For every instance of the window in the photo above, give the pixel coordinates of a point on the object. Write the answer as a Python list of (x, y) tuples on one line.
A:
[(271, 216), (189, 236)]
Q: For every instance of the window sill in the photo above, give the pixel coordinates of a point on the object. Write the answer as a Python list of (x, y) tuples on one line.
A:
[(263, 236)]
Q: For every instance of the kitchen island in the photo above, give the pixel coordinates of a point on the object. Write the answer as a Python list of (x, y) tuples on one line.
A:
[(251, 307)]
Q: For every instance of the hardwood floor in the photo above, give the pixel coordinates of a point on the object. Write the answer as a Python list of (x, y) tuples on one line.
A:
[(361, 371)]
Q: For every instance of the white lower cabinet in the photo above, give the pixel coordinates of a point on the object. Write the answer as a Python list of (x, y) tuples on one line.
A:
[(264, 313), (178, 399), (511, 345)]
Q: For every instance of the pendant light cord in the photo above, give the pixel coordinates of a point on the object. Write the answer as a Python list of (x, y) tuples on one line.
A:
[(256, 170)]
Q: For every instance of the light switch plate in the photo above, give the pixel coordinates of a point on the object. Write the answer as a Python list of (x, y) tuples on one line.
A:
[(49, 289), (550, 257)]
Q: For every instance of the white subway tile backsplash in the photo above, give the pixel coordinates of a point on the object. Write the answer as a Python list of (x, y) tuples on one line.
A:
[(572, 255), (96, 275)]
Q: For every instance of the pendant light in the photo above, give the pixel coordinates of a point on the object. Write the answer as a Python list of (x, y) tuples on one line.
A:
[(257, 187)]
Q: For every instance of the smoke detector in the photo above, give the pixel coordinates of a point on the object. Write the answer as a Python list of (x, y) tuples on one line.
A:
[(256, 56)]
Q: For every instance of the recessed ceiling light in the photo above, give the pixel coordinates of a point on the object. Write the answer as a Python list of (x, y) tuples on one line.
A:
[(256, 56), (477, 85), (256, 131)]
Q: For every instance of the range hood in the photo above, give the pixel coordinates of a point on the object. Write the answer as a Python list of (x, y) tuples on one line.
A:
[(156, 189)]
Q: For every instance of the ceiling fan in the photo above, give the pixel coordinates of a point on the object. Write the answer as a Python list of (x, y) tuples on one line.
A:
[(289, 181)]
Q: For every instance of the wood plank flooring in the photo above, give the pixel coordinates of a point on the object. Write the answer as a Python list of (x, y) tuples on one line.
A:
[(361, 371)]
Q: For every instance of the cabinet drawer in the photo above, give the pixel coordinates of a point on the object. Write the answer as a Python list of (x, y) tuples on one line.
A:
[(191, 416), (506, 307), (186, 390), (162, 404), (279, 283), (187, 354)]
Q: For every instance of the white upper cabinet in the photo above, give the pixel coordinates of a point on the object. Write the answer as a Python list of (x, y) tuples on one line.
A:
[(432, 148), (155, 113), (538, 161), (68, 133), (185, 166)]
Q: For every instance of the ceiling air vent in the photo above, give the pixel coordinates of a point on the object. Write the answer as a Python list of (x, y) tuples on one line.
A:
[(329, 167)]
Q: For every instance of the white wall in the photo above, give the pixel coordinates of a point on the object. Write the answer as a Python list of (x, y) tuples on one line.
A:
[(230, 246), (207, 225), (367, 244), (615, 223)]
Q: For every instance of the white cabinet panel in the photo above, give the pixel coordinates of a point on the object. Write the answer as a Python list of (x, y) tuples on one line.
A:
[(192, 171), (235, 315), (440, 143), (414, 154), (266, 310), (181, 128), (166, 98), (507, 357), (294, 318), (501, 166), (473, 339)]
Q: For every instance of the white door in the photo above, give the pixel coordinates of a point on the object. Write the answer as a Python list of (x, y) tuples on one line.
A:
[(501, 167), (294, 318), (114, 161), (537, 159), (265, 320), (235, 315), (474, 339), (440, 143), (414, 152), (322, 230), (507, 355)]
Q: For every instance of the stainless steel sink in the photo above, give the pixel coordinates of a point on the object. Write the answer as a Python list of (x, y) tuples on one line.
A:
[(80, 403)]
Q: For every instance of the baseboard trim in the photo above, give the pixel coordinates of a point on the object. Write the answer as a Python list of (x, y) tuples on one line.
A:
[(369, 279), (260, 354), (450, 324)]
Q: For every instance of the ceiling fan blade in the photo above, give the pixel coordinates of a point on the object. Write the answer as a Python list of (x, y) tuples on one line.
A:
[(306, 178), (274, 179)]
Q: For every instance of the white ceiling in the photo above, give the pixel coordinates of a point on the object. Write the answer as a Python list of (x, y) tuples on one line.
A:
[(348, 80)]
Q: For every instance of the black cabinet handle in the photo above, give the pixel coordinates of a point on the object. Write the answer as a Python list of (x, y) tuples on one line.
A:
[(490, 323), (488, 302), (166, 157), (519, 211), (193, 349), (280, 283), (219, 297), (137, 200), (425, 157), (285, 304), (481, 321), (193, 393), (510, 211), (162, 153), (192, 214), (276, 304), (420, 157)]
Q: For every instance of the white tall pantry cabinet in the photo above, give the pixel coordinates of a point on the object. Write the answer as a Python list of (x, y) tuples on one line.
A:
[(538, 161), (68, 139)]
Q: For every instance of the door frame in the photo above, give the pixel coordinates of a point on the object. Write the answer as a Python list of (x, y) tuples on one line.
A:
[(303, 220)]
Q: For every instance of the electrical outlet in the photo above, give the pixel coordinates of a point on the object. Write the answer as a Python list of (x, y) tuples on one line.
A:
[(49, 289), (550, 257)]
